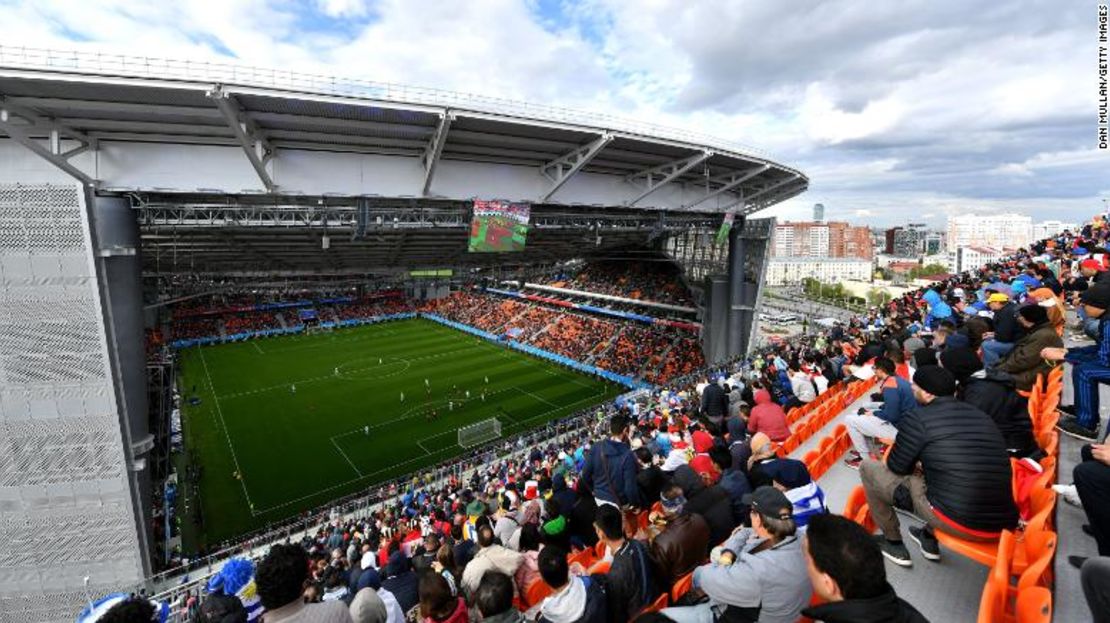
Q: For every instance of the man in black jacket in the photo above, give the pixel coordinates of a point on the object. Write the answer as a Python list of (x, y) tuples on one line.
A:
[(949, 466), (994, 394), (711, 502), (846, 569), (714, 402), (631, 579)]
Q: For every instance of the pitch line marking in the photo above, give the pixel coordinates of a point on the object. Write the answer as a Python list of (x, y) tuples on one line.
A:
[(254, 343), (227, 435), (346, 458), (403, 463)]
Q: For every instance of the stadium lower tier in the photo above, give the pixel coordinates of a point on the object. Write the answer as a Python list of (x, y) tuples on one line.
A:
[(279, 425)]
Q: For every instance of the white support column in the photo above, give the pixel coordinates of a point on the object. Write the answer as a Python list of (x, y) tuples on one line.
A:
[(434, 149), (669, 172), (561, 169), (255, 146)]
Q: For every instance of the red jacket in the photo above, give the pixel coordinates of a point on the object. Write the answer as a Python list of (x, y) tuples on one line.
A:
[(768, 418)]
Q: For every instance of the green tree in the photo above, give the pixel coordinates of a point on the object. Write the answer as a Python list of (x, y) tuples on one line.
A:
[(927, 270)]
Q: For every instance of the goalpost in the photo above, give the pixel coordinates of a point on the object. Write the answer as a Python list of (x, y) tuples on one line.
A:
[(479, 433)]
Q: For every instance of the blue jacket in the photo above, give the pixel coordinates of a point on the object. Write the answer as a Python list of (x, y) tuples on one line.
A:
[(610, 472), (938, 309), (1099, 353), (898, 399)]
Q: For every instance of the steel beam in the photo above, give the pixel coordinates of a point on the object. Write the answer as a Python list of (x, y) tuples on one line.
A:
[(744, 202), (434, 149), (258, 151), (561, 169), (34, 124), (729, 183), (670, 172)]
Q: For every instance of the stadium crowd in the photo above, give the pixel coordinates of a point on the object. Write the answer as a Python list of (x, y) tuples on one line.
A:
[(681, 495), (658, 281)]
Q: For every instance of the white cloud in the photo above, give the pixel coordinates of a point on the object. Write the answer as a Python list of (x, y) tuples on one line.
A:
[(343, 8)]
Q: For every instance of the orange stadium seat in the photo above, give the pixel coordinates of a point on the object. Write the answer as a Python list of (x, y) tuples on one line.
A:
[(681, 586), (536, 592)]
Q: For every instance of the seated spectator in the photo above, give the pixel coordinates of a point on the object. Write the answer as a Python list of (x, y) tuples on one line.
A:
[(792, 478), (710, 502), (995, 395), (574, 599), (684, 541), (760, 574), (881, 423), (768, 417), (1092, 483), (847, 572), (401, 582), (217, 608), (280, 579), (650, 478), (438, 604), (802, 386), (1090, 367), (1095, 578), (494, 599), (134, 609), (1024, 362), (490, 557), (1006, 330), (529, 570), (610, 470), (631, 579), (733, 481), (963, 485)]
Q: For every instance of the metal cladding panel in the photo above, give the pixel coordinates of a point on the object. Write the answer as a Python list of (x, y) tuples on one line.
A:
[(65, 503)]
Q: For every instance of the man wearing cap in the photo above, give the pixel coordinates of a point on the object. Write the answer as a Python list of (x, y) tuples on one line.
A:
[(948, 465), (684, 541), (1024, 362), (760, 573), (1090, 367), (1006, 330)]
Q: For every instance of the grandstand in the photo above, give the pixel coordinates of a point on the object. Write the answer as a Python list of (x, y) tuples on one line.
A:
[(167, 409)]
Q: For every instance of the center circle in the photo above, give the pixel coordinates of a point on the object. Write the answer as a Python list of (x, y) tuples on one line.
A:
[(371, 368)]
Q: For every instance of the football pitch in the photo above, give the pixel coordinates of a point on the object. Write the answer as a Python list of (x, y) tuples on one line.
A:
[(286, 424)]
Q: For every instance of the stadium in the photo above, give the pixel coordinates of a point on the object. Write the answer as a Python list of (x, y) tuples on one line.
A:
[(245, 307)]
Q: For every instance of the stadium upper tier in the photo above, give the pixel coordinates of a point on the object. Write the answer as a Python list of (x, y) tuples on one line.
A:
[(137, 124)]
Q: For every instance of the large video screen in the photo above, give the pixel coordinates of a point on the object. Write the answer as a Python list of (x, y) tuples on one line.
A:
[(498, 226)]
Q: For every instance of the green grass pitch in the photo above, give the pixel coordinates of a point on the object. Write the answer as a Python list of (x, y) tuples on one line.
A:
[(296, 449)]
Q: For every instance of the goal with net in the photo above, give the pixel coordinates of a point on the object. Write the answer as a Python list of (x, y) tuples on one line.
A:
[(479, 433)]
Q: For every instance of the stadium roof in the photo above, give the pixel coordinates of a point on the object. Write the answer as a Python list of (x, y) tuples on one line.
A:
[(298, 134)]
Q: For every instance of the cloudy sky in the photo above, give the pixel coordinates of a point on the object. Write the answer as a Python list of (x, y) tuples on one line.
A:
[(896, 110)]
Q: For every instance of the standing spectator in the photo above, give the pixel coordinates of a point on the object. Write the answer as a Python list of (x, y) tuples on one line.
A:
[(714, 402), (490, 557), (760, 574), (280, 579), (574, 599), (610, 470), (846, 570), (1006, 330), (684, 541), (963, 485), (768, 417), (1090, 367), (1024, 362), (401, 582), (631, 579), (897, 401)]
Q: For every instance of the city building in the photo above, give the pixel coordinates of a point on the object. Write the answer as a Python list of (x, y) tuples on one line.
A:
[(1047, 229), (790, 271), (968, 257), (818, 212), (913, 240), (998, 231), (821, 240)]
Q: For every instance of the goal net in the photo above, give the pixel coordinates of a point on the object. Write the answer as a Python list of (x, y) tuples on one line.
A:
[(479, 433)]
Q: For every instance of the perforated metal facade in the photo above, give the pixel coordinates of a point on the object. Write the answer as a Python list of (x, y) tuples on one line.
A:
[(66, 510)]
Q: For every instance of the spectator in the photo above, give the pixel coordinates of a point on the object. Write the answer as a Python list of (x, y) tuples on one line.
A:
[(508, 517), (733, 481), (846, 570), (424, 555), (437, 603), (1090, 368), (1095, 578), (995, 395), (632, 583), (898, 400), (768, 417), (401, 582), (220, 608), (649, 480), (445, 566), (494, 599), (280, 579), (760, 574), (574, 599), (368, 607), (684, 541), (1006, 330), (710, 502), (490, 557), (714, 402), (133, 609), (610, 471), (1092, 483), (802, 386), (964, 485), (1024, 362), (529, 570)]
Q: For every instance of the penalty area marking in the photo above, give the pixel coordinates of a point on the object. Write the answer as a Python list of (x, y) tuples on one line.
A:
[(254, 343), (346, 458)]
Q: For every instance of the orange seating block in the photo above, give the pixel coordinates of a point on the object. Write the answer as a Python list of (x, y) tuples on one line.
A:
[(857, 509), (1034, 605), (681, 586), (655, 606), (536, 592)]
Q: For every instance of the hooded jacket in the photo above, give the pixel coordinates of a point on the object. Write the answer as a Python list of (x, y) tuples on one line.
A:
[(1024, 362), (582, 601), (610, 472), (711, 503), (401, 581), (562, 494), (770, 586), (768, 417), (938, 309), (884, 608), (492, 558), (963, 455), (458, 615)]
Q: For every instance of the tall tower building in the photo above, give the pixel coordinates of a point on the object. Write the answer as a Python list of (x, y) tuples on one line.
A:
[(818, 212)]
